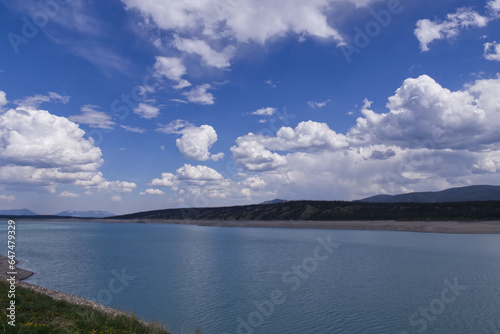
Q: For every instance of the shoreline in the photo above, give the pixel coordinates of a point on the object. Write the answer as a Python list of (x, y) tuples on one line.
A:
[(449, 227), (23, 274)]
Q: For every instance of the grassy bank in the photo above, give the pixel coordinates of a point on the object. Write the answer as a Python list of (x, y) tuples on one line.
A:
[(38, 313)]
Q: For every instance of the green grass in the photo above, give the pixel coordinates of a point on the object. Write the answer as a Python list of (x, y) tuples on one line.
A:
[(38, 313)]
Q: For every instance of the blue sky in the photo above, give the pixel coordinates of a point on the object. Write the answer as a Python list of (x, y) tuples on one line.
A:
[(136, 105)]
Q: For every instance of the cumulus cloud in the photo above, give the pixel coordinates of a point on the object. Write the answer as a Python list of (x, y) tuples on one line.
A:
[(195, 142), (39, 151), (209, 56), (200, 95), (152, 192), (173, 69), (428, 31), (253, 152), (430, 138), (147, 111), (68, 194), (492, 51), (36, 100), (94, 118), (202, 184), (423, 110)]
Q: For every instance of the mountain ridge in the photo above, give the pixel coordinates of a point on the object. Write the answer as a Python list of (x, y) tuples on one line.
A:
[(457, 194)]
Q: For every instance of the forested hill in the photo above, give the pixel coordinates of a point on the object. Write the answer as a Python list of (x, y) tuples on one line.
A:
[(332, 210)]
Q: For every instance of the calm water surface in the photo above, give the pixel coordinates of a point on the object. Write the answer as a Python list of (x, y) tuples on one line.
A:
[(256, 280)]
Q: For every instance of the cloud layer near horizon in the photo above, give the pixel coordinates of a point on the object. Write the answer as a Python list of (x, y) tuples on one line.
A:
[(40, 151), (430, 138)]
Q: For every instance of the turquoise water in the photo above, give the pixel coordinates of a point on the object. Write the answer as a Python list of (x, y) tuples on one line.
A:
[(256, 280)]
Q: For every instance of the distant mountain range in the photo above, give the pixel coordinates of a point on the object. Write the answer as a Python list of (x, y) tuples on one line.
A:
[(85, 214), (81, 214), (462, 194), (18, 212)]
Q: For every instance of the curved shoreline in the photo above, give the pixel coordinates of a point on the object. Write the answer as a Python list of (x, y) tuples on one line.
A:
[(22, 274)]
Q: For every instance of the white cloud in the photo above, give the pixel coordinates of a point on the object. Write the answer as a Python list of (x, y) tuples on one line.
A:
[(133, 129), (39, 151), (209, 56), (3, 99), (428, 31), (173, 69), (423, 110), (314, 104), (253, 152), (174, 127), (7, 198), (99, 183), (217, 157), (430, 138), (152, 192), (195, 142), (68, 194), (201, 185), (147, 111), (36, 100), (254, 182), (494, 7), (268, 111), (492, 51), (252, 155), (93, 118), (248, 20), (200, 95)]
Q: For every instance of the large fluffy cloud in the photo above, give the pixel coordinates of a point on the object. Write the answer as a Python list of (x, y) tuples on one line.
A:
[(244, 20), (422, 110), (430, 138), (39, 150), (195, 142)]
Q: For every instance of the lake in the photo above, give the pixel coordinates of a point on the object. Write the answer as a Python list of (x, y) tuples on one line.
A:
[(265, 280)]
